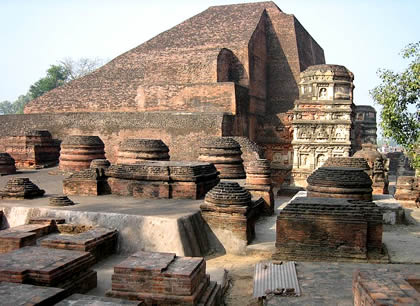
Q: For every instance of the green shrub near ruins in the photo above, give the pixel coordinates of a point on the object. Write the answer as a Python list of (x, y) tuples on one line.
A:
[(398, 94)]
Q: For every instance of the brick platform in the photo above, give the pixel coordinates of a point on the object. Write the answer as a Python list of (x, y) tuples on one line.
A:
[(231, 215), (7, 164), (69, 270), (77, 152), (225, 154), (20, 188), (24, 235), (385, 288), (407, 189), (85, 300), (131, 151), (32, 149), (164, 279), (340, 182), (162, 179), (29, 295), (332, 229), (60, 201), (88, 182), (100, 242)]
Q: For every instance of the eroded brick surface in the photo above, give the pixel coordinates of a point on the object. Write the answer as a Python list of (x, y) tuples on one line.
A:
[(65, 269), (385, 288), (164, 279), (29, 295), (327, 228)]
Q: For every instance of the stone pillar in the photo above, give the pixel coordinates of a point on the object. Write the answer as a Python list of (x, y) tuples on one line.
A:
[(132, 151), (7, 164), (77, 152), (258, 183), (225, 154)]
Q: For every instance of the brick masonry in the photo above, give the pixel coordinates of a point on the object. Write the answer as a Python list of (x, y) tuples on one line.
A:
[(31, 148), (69, 270), (327, 228), (244, 72), (29, 295), (162, 179), (383, 287), (164, 279)]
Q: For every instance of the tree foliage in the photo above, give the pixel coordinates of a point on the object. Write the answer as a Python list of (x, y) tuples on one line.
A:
[(57, 75), (398, 94)]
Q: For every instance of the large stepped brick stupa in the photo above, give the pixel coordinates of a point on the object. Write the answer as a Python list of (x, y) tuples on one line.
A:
[(232, 70)]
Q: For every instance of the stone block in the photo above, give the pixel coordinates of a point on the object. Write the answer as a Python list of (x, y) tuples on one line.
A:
[(29, 295), (164, 279)]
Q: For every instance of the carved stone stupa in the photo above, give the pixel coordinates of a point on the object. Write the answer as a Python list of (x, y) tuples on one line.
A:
[(323, 119)]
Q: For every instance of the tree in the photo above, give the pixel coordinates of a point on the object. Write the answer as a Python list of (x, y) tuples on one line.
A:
[(398, 94), (56, 75), (81, 67)]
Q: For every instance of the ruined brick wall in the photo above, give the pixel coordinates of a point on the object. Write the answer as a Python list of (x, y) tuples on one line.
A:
[(182, 133)]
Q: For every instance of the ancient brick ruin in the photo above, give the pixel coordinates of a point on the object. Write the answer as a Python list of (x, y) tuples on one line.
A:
[(100, 164), (164, 279), (7, 164), (379, 165), (335, 182), (230, 213), (328, 228), (162, 179), (225, 153), (408, 189), (348, 162), (258, 183), (64, 269), (364, 126), (31, 148), (385, 288), (322, 119), (77, 152), (60, 201), (132, 151), (20, 188), (88, 182)]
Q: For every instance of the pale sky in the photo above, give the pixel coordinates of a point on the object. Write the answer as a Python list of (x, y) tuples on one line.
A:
[(34, 34)]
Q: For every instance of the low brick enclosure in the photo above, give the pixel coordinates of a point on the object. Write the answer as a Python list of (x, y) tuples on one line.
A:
[(29, 295), (327, 228), (82, 299), (385, 288), (60, 201), (77, 152), (225, 153), (164, 279), (69, 270), (7, 164), (131, 151), (339, 182), (231, 215), (408, 189), (20, 188), (24, 235), (258, 183), (31, 148), (54, 233), (100, 242), (162, 179), (88, 182)]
